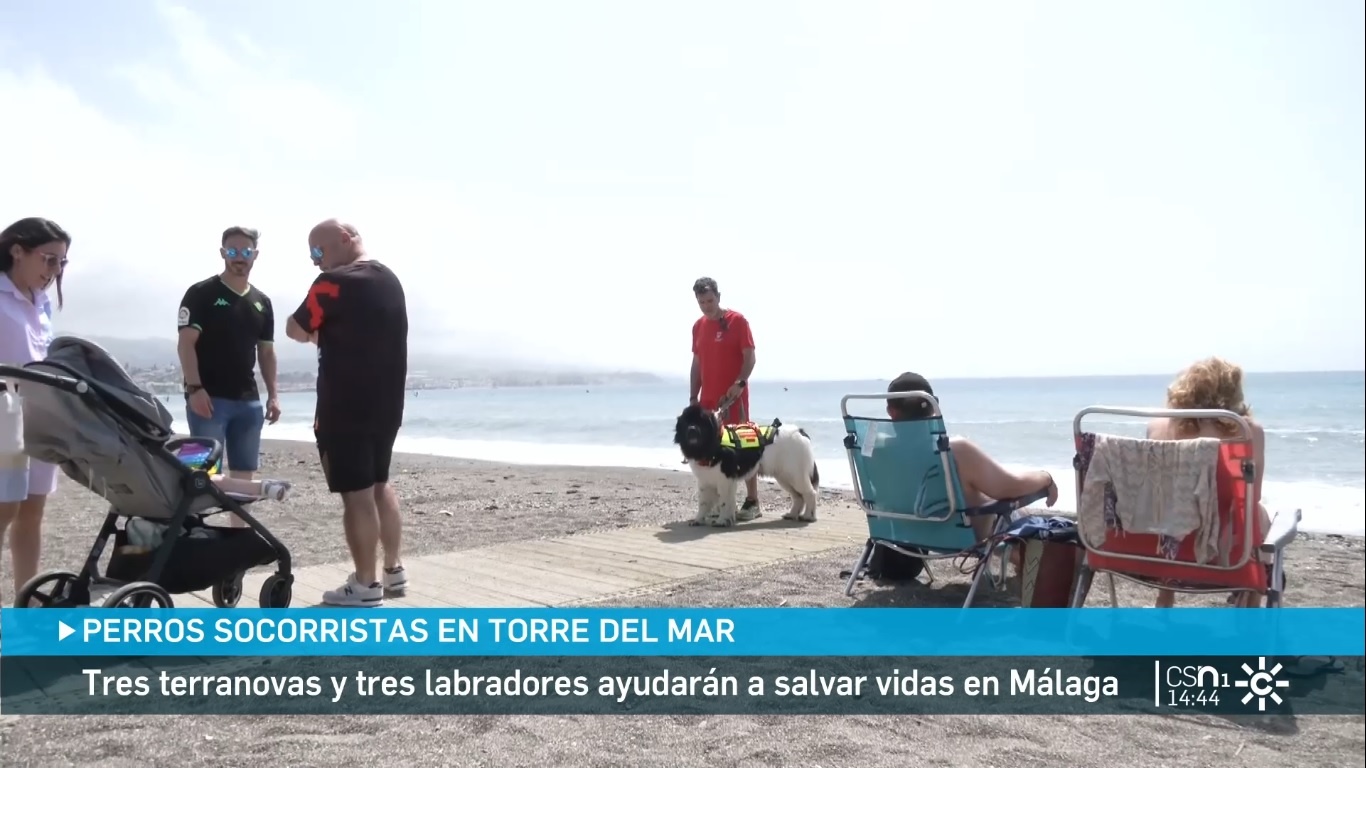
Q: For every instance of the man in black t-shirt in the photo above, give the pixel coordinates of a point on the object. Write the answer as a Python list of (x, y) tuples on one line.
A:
[(357, 314), (225, 326)]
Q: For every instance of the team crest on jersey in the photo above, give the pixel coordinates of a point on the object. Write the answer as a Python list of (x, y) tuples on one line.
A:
[(184, 318)]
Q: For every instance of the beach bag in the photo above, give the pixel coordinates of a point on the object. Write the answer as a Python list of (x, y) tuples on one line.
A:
[(893, 565), (1048, 572), (12, 454)]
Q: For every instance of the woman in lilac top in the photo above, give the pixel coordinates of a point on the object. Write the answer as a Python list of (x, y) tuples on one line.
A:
[(32, 259)]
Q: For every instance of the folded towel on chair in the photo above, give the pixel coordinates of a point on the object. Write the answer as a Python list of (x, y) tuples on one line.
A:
[(1163, 487)]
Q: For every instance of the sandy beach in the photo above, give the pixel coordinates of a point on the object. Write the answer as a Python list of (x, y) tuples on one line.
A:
[(452, 505)]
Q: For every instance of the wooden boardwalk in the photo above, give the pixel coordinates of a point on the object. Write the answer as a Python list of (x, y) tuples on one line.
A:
[(582, 568), (592, 568)]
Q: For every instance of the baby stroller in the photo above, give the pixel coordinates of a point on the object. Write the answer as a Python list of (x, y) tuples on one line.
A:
[(83, 413)]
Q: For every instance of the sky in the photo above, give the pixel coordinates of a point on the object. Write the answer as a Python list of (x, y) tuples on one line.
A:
[(965, 189)]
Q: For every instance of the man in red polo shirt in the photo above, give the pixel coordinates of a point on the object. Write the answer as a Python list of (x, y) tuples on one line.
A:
[(722, 360)]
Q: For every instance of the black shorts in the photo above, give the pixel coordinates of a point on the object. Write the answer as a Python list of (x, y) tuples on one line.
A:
[(356, 461)]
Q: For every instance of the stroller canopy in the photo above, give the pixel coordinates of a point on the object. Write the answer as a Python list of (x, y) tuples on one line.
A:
[(89, 362), (108, 438)]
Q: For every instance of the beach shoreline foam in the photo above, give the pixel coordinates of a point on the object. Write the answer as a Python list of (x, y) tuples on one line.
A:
[(1326, 509)]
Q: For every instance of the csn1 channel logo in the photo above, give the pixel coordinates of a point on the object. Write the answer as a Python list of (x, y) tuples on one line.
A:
[(1205, 685)]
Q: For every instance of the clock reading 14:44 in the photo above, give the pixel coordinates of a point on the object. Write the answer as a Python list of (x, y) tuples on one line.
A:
[(1186, 697)]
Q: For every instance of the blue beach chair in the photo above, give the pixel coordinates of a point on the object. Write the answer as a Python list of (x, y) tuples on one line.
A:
[(907, 481)]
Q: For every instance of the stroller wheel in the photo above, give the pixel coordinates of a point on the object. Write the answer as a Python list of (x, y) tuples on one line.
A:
[(50, 589), (228, 593), (139, 595), (277, 591)]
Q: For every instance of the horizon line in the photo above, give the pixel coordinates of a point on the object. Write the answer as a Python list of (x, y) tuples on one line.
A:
[(1044, 377), (780, 381), (549, 367)]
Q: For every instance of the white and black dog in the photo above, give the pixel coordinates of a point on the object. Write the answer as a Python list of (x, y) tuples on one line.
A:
[(786, 456)]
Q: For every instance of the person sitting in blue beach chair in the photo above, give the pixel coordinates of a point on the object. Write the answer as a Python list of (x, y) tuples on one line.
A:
[(929, 496), (984, 481)]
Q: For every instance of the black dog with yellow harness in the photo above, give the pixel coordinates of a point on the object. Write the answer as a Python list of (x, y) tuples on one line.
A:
[(731, 453), (739, 448)]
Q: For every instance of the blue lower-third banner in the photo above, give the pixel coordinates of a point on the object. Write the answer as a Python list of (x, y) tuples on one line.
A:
[(681, 685), (608, 632)]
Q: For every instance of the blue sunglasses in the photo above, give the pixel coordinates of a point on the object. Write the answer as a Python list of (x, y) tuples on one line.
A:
[(317, 253), (246, 253)]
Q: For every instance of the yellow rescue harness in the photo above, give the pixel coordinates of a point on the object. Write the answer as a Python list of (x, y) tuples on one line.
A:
[(746, 436), (746, 441)]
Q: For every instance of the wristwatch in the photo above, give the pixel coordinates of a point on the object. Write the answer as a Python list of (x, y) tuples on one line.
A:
[(191, 388), (740, 383)]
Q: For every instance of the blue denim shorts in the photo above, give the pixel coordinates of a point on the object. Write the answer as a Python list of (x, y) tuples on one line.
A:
[(237, 425)]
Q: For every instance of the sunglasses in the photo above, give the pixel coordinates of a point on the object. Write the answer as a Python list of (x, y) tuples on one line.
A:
[(53, 261), (246, 253), (316, 253)]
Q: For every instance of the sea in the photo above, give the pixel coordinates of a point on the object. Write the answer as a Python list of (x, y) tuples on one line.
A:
[(1316, 446)]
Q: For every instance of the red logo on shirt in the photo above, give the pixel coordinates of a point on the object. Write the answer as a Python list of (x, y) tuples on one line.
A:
[(315, 307)]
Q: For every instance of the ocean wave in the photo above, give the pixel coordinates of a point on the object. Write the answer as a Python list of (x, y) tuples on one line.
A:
[(1359, 434)]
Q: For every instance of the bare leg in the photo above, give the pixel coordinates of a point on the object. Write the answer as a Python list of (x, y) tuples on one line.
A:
[(1165, 599), (238, 485), (982, 526), (26, 539), (8, 511), (390, 524), (752, 489), (274, 489), (360, 519)]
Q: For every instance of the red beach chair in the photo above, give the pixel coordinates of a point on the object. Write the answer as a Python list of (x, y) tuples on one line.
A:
[(1252, 562)]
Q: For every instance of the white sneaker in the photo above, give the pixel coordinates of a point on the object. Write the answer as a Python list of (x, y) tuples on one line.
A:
[(395, 581), (354, 595)]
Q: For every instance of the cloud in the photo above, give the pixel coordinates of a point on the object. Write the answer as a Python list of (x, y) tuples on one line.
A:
[(231, 138), (832, 176), (244, 102)]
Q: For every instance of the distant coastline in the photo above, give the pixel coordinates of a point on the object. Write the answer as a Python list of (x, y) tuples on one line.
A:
[(152, 363), (166, 380)]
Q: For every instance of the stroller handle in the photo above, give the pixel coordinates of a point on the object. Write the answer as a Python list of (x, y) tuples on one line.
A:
[(65, 383), (215, 448)]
